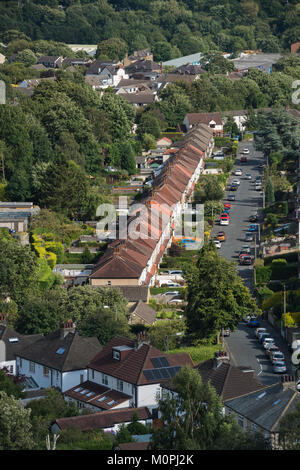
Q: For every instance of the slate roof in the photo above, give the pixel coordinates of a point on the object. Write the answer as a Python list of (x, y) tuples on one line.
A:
[(135, 293), (142, 66), (145, 312), (104, 419), (78, 351), (205, 118), (131, 367), (139, 98), (13, 348), (229, 381), (266, 407)]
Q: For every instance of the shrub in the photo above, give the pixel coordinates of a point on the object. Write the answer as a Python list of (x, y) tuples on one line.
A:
[(263, 274)]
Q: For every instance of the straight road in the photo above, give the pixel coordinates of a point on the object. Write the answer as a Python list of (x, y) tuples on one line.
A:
[(245, 350)]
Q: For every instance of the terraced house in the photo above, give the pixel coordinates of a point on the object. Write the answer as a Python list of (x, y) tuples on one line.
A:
[(133, 258)]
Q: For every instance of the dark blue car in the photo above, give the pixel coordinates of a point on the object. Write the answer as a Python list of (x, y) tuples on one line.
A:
[(253, 228), (253, 323)]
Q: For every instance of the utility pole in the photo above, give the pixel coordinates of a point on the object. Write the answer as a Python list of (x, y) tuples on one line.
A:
[(284, 308)]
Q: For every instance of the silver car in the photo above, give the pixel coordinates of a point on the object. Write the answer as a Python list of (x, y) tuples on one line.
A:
[(279, 367)]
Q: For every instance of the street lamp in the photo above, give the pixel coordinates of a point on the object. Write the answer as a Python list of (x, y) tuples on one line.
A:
[(180, 333)]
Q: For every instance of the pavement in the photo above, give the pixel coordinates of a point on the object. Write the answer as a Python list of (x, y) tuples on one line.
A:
[(244, 348)]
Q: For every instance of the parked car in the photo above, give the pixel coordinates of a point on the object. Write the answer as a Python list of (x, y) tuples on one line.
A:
[(224, 215), (227, 206), (246, 260), (168, 283), (263, 336), (248, 176), (234, 187), (217, 243), (245, 151), (272, 348), (260, 330), (277, 356), (253, 322), (267, 342), (245, 250), (172, 292), (221, 236), (231, 197), (226, 332), (258, 187), (244, 159), (238, 172), (279, 367), (249, 237), (224, 221), (253, 218), (175, 271), (236, 181), (175, 301), (253, 228)]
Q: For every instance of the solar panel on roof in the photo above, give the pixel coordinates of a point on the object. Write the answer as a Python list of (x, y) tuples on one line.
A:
[(159, 362), (161, 373)]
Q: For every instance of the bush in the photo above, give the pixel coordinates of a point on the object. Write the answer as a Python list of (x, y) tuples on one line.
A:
[(263, 274)]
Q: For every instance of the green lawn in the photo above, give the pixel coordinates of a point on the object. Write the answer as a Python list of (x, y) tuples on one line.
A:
[(198, 353)]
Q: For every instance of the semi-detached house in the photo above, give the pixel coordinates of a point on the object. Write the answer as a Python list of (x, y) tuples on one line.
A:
[(126, 373), (58, 359), (134, 259)]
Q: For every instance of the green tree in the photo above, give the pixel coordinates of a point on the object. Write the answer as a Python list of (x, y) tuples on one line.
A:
[(192, 416), (15, 426), (113, 49), (270, 197), (289, 430), (219, 300), (8, 386), (18, 271)]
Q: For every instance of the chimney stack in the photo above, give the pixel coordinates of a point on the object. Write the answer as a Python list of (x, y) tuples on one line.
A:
[(219, 358), (288, 381), (66, 328)]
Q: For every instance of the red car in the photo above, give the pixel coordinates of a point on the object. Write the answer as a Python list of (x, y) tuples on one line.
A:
[(224, 216), (244, 159), (227, 206)]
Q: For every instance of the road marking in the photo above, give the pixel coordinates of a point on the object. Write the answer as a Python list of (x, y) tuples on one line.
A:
[(260, 367)]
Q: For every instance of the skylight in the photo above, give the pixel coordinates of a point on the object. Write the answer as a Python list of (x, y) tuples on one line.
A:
[(261, 395), (101, 399), (78, 389), (84, 391), (111, 402), (60, 351), (13, 340), (90, 394)]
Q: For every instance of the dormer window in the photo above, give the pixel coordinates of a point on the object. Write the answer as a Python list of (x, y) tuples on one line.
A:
[(116, 354)]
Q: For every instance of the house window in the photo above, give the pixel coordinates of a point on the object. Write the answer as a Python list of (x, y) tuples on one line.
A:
[(120, 385), (241, 421), (81, 378), (116, 355), (46, 372), (31, 367), (57, 375), (93, 374), (109, 283), (11, 369), (104, 379)]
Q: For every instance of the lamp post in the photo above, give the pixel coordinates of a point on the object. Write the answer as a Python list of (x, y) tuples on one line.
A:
[(180, 333)]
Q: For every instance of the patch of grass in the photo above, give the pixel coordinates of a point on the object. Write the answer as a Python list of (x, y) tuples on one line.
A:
[(198, 353)]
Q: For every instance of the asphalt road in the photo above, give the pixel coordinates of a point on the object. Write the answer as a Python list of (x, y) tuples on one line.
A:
[(245, 350), (247, 202)]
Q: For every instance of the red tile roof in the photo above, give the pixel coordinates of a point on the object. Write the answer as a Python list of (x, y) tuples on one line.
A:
[(104, 419), (130, 369)]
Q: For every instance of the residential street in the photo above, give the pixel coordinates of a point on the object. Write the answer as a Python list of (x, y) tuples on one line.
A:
[(245, 350)]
